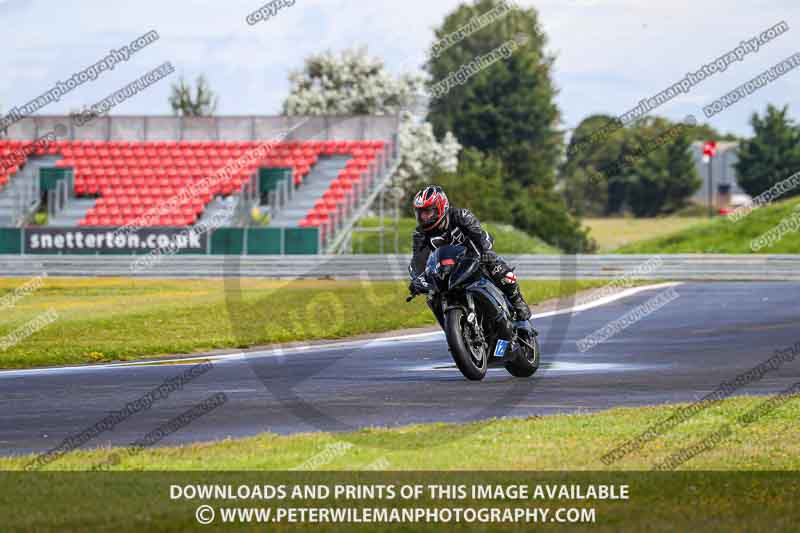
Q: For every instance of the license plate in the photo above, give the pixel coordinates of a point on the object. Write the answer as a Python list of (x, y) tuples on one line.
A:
[(500, 349)]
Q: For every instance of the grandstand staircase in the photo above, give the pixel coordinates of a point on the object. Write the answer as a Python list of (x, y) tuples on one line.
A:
[(73, 212), (19, 198), (219, 212), (317, 181), (339, 190)]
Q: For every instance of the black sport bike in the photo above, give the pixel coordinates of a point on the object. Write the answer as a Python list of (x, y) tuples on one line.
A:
[(475, 315)]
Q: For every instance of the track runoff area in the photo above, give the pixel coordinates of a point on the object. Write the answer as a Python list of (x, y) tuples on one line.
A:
[(651, 345)]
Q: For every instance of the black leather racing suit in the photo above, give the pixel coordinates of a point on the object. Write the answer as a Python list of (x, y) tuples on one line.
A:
[(461, 227)]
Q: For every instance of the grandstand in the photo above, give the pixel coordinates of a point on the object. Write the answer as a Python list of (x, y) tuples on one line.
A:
[(111, 177)]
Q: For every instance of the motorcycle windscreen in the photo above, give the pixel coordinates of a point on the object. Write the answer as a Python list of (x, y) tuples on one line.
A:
[(444, 256), (444, 252), (464, 271)]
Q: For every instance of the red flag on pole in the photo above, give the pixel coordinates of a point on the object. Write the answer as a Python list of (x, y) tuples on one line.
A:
[(709, 150)]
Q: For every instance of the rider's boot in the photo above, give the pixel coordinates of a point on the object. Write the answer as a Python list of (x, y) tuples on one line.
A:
[(505, 278), (521, 309)]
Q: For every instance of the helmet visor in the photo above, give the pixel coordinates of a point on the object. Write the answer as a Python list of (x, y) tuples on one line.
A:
[(426, 215)]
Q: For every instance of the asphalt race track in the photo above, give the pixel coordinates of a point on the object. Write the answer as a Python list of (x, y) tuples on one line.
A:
[(711, 333)]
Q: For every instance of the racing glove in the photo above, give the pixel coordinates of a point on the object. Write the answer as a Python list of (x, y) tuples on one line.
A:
[(418, 285)]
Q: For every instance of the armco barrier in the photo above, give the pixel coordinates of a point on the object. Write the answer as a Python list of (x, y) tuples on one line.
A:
[(375, 267)]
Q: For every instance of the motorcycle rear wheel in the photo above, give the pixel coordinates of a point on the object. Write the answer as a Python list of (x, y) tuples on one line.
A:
[(527, 362), (470, 360)]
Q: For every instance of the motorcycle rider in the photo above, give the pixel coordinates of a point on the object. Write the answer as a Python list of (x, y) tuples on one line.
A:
[(438, 224)]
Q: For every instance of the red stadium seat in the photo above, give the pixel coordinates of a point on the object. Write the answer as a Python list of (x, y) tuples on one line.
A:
[(131, 176)]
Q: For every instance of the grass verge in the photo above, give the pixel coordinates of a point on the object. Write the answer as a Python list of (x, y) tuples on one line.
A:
[(720, 235), (508, 239), (564, 442), (102, 320), (612, 233)]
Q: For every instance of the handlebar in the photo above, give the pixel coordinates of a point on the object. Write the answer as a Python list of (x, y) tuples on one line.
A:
[(416, 289)]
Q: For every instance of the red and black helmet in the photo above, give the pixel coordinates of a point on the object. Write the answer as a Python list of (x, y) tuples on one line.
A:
[(430, 207)]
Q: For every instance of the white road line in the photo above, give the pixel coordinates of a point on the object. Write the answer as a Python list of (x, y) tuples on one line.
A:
[(280, 352)]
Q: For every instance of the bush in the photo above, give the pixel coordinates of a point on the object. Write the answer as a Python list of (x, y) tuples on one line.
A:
[(481, 185)]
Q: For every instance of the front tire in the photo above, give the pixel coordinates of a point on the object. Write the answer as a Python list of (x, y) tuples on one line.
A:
[(527, 362), (471, 358)]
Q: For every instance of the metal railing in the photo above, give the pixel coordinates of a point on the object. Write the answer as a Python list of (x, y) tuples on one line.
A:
[(58, 199), (247, 198), (278, 198), (393, 267), (379, 176), (27, 199)]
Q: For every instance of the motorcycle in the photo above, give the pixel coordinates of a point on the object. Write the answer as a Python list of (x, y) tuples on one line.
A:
[(475, 315)]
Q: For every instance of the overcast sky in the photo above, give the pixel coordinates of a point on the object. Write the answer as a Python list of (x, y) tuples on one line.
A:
[(609, 53)]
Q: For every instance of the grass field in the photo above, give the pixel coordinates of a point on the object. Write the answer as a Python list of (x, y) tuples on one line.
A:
[(565, 442), (612, 233), (508, 240), (723, 236), (102, 320)]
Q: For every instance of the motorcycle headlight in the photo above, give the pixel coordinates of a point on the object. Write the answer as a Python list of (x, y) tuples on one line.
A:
[(445, 267)]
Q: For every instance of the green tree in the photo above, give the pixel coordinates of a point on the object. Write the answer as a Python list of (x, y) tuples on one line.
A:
[(544, 213), (659, 171), (506, 110), (203, 103), (771, 155), (585, 192), (646, 166), (590, 175), (480, 184), (706, 132), (477, 185)]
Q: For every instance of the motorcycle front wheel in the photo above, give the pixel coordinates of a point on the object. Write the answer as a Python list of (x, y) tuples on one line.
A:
[(469, 353)]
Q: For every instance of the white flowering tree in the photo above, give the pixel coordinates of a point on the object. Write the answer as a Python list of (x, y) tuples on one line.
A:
[(353, 83), (422, 154)]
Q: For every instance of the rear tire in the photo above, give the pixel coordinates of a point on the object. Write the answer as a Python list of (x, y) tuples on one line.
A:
[(471, 361), (527, 362)]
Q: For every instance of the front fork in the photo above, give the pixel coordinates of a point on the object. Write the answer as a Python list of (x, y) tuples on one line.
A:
[(435, 305), (439, 305)]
